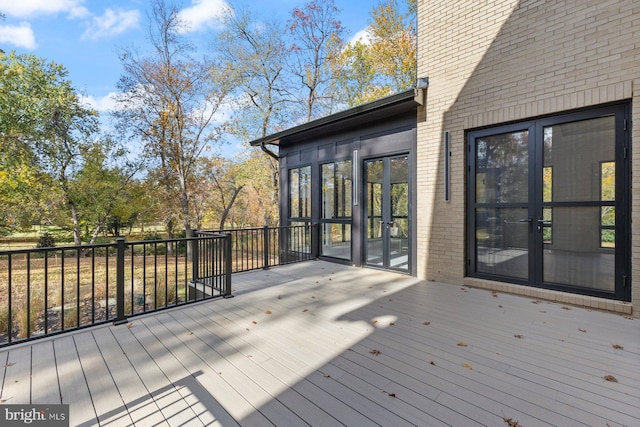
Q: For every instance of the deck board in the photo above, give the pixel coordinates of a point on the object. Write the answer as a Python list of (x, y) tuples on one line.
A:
[(317, 343), (44, 377), (74, 389)]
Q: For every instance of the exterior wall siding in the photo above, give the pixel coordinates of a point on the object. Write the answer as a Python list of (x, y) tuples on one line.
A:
[(494, 62)]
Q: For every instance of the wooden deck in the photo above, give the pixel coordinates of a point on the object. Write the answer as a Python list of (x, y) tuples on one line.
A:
[(324, 344)]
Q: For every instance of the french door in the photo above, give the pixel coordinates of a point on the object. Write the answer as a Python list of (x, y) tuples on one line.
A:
[(386, 206), (548, 203)]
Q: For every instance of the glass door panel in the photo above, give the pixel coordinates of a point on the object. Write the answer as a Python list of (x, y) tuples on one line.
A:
[(374, 245), (502, 215), (398, 224), (581, 201)]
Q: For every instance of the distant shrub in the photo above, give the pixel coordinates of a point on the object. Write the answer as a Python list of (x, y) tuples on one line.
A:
[(46, 241)]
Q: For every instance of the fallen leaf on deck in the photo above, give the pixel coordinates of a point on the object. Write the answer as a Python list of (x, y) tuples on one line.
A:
[(511, 422), (543, 311), (610, 378), (564, 307), (392, 323), (628, 317), (279, 296), (617, 346), (129, 325), (582, 330), (390, 394), (500, 306), (433, 363), (461, 344), (375, 352), (467, 366), (535, 302), (494, 294), (267, 312), (305, 310), (247, 329), (9, 364), (426, 323), (254, 322), (374, 321), (190, 333), (518, 336), (327, 376)]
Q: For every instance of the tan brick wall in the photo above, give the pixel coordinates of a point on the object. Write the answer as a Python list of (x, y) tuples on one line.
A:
[(491, 62)]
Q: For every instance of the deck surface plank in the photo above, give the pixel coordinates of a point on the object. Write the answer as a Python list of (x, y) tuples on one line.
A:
[(138, 402), (17, 380), (324, 344), (73, 384), (44, 376)]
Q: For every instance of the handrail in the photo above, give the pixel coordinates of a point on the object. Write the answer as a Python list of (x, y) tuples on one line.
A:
[(48, 291)]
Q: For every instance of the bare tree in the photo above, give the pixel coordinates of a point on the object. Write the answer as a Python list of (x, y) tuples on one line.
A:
[(169, 99), (317, 33)]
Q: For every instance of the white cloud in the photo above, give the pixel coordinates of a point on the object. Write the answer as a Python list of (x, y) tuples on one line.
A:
[(112, 23), (103, 104), (363, 36), (18, 35), (202, 14), (30, 8)]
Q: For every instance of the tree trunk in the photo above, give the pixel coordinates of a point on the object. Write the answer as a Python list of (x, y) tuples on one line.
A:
[(227, 208), (77, 237)]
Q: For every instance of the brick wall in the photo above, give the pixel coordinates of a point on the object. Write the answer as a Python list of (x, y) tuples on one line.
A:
[(491, 62)]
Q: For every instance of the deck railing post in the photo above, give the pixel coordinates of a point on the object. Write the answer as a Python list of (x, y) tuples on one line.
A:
[(196, 256), (265, 247), (228, 265), (315, 240), (120, 248)]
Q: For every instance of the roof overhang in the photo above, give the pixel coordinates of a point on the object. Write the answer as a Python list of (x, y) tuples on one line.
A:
[(393, 105)]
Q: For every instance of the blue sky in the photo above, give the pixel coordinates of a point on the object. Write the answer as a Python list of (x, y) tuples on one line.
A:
[(85, 35)]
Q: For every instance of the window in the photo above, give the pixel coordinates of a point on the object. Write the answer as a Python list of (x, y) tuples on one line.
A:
[(300, 194), (608, 213), (336, 209)]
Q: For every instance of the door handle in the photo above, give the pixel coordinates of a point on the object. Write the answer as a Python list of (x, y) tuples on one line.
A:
[(544, 221), (520, 221)]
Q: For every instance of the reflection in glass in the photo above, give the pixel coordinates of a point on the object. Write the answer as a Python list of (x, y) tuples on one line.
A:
[(336, 240), (502, 242), (300, 192), (502, 168)]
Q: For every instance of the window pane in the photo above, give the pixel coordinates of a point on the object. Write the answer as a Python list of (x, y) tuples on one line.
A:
[(336, 240), (502, 242), (305, 192), (576, 256), (579, 152), (294, 193), (502, 168), (608, 181), (328, 191)]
